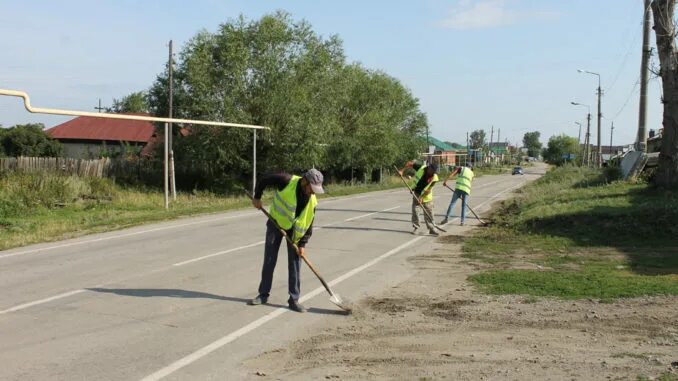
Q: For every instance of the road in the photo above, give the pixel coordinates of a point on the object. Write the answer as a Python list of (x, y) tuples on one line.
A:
[(168, 301)]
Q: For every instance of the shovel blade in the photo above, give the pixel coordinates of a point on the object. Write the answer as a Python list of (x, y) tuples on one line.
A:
[(341, 303)]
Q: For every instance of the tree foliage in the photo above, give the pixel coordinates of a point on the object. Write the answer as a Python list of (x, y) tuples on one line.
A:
[(277, 72), (477, 139), (28, 140), (532, 143), (133, 103), (558, 146)]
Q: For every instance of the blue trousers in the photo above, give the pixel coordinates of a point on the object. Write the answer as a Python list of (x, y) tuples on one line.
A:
[(273, 240), (464, 199)]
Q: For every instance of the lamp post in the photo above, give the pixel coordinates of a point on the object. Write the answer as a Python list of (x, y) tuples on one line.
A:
[(600, 93), (587, 138)]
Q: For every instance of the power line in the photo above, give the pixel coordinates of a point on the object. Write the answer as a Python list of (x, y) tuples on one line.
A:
[(633, 90), (626, 57)]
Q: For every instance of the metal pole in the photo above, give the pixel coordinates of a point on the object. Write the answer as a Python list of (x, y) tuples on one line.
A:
[(588, 139), (171, 149), (641, 140), (600, 152), (254, 165), (166, 169), (611, 132), (579, 145)]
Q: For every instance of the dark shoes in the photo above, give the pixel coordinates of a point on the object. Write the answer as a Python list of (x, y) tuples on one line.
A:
[(443, 222), (295, 305), (260, 299), (433, 233)]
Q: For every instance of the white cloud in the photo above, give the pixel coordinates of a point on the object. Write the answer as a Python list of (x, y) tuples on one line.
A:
[(483, 14)]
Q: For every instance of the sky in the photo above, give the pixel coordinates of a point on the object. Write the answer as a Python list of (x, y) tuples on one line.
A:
[(473, 64)]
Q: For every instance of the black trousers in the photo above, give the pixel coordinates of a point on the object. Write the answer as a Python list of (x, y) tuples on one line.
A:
[(273, 240)]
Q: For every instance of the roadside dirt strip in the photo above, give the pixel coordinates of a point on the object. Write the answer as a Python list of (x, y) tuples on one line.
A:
[(435, 326)]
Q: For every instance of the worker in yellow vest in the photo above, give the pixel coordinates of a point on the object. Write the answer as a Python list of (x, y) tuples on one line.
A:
[(293, 208), (425, 178), (462, 189)]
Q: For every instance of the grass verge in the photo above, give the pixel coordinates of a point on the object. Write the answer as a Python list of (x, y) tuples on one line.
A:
[(572, 234), (42, 207)]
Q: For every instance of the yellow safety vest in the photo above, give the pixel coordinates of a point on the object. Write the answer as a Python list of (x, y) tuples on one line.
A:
[(417, 176), (285, 205), (464, 178)]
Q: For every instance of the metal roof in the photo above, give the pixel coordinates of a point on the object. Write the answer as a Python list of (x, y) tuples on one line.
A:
[(90, 128)]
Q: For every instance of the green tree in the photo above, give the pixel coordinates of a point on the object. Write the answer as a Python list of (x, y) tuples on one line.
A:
[(278, 73), (29, 140), (133, 103), (560, 146), (477, 139), (532, 143)]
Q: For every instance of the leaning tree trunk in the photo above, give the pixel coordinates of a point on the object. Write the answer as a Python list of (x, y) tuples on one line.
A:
[(665, 32)]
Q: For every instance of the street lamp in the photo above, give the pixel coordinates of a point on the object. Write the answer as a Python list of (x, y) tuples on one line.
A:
[(600, 93), (587, 144)]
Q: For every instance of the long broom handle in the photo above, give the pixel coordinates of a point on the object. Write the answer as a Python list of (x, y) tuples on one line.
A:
[(418, 201), (296, 248), (469, 207)]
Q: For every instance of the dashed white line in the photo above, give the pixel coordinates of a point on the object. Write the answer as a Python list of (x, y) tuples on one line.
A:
[(31, 304)]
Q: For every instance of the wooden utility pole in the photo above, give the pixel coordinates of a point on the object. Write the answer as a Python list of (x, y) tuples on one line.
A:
[(641, 139)]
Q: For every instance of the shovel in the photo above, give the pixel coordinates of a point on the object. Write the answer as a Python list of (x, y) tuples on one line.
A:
[(469, 208), (419, 201), (334, 298)]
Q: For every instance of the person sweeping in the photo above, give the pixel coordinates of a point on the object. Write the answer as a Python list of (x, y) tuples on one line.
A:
[(464, 176), (293, 209), (425, 178)]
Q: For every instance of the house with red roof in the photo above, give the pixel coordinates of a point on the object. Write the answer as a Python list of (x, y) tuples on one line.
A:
[(89, 137)]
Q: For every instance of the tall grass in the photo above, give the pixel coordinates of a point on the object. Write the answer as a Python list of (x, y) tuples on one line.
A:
[(42, 207)]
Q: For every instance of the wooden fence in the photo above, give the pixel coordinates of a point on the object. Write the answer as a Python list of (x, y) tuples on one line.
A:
[(79, 167), (189, 174)]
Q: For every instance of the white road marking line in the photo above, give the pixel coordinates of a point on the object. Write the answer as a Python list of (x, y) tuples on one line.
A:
[(31, 304), (206, 350), (66, 294), (219, 253), (370, 214), (146, 231)]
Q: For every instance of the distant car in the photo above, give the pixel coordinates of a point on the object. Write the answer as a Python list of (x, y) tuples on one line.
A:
[(517, 171)]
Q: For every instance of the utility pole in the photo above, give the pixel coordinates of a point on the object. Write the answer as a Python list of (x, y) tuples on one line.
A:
[(599, 155), (468, 149), (611, 132), (171, 150), (641, 140), (429, 159), (99, 108), (588, 139), (581, 156), (499, 140), (489, 147)]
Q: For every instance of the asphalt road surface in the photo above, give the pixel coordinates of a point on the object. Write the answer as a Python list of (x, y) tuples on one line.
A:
[(168, 301)]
